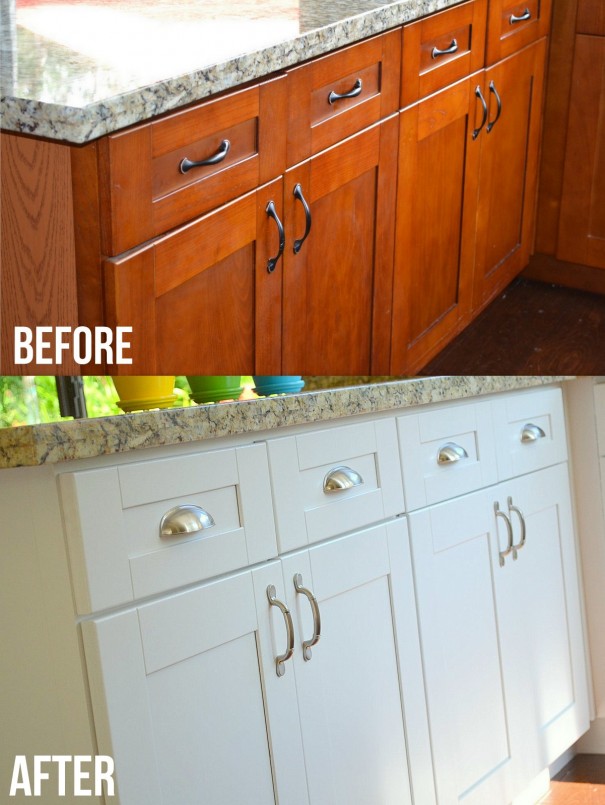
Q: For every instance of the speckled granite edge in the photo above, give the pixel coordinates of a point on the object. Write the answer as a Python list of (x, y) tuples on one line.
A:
[(83, 124), (69, 440)]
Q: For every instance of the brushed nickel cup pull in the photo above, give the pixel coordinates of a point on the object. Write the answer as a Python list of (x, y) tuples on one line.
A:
[(307, 644), (341, 478), (352, 93), (185, 519), (519, 513), (531, 433), (435, 52), (450, 453), (525, 15), (222, 152), (280, 668), (509, 530)]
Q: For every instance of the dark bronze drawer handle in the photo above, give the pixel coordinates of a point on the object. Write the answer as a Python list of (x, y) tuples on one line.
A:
[(479, 94), (298, 193), (435, 52), (494, 91), (352, 93), (222, 152), (526, 15), (271, 212)]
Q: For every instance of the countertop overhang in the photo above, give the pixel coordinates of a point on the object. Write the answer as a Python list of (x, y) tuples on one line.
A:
[(68, 440), (73, 72)]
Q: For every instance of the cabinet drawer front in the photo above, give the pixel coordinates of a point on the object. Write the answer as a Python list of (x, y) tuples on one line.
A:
[(530, 432), (151, 188), (511, 25), (360, 458), (446, 453), (365, 75), (442, 49), (113, 518)]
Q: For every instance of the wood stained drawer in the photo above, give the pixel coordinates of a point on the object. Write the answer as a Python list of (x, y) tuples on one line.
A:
[(335, 96), (441, 49), (146, 191), (530, 432), (513, 24), (113, 516), (332, 481)]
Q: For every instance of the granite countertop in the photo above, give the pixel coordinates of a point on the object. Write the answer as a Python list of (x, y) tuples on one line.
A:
[(34, 445), (74, 70)]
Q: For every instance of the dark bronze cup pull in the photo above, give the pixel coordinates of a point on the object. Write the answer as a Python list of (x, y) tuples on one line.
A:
[(494, 91), (298, 193), (272, 262), (479, 94), (352, 93), (222, 152)]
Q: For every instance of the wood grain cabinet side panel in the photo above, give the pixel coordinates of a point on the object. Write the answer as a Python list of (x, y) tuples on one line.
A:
[(582, 220), (591, 17)]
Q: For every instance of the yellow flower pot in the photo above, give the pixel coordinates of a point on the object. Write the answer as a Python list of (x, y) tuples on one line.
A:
[(145, 392)]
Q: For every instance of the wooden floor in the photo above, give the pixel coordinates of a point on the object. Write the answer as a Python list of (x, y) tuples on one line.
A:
[(581, 782), (532, 328)]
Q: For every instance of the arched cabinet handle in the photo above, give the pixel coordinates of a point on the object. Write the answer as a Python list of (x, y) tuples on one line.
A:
[(341, 478), (436, 52), (280, 668), (307, 644), (222, 152), (272, 213), (525, 15), (511, 508), (494, 91), (450, 453), (509, 531), (298, 194), (479, 94), (352, 93), (185, 519), (531, 433)]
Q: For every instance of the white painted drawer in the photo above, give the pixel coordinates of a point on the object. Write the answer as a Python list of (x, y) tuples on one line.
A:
[(462, 432), (530, 431), (112, 519), (305, 512)]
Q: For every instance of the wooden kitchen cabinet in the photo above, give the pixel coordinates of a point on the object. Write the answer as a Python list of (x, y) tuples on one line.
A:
[(203, 298), (510, 141), (337, 285)]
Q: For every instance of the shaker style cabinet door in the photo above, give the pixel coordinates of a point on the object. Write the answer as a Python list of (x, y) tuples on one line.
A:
[(340, 214), (501, 635), (179, 699), (510, 142), (436, 209), (207, 297), (360, 685)]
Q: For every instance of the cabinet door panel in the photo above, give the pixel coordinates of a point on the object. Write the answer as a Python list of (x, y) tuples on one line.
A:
[(582, 221), (508, 173), (466, 681), (203, 296), (344, 267), (165, 677), (436, 207), (352, 713)]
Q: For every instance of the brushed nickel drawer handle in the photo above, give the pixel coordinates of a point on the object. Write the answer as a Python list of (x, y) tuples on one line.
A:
[(531, 433), (519, 513), (509, 530), (352, 93), (307, 644), (435, 52), (341, 478), (222, 152), (185, 519), (450, 453), (280, 668), (525, 15)]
